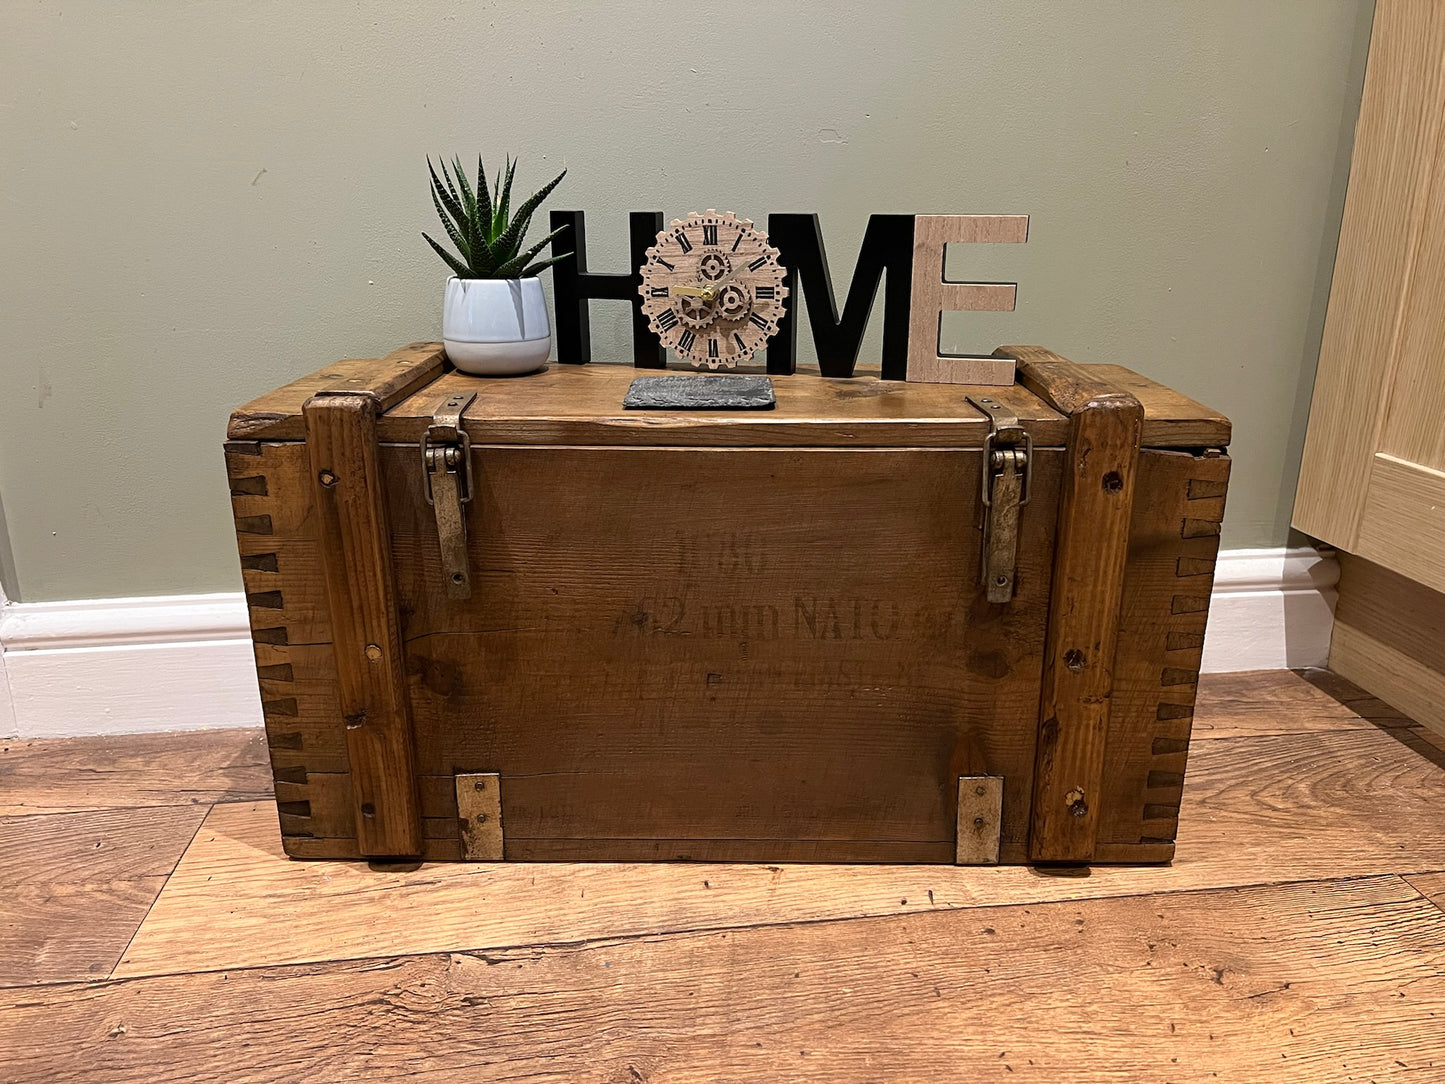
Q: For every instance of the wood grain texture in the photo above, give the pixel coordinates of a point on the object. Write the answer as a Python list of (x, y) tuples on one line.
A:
[(1383, 603), (387, 380), (582, 404), (1096, 503), (1375, 663), (1410, 430), (1389, 637), (1402, 523), (932, 295), (1260, 702), (1171, 419), (361, 596), (75, 886), (1395, 163), (664, 674), (1160, 641), (68, 931), (1429, 885), (70, 774), (1271, 807), (549, 604), (1302, 982), (103, 844), (290, 617)]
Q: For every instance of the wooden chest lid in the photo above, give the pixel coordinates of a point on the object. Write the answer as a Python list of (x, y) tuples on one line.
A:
[(582, 405)]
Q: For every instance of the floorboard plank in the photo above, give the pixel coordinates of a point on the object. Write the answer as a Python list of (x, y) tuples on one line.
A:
[(1301, 983), (62, 932), (74, 887), (1267, 808), (193, 767), (1430, 885), (1287, 702), (99, 845)]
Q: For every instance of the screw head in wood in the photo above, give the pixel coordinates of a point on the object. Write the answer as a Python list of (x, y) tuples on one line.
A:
[(326, 478), (1075, 803)]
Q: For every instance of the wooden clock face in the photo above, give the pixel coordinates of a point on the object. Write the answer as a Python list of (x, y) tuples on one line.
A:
[(712, 289)]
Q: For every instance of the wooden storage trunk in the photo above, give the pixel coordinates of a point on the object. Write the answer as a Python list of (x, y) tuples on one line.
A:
[(752, 636)]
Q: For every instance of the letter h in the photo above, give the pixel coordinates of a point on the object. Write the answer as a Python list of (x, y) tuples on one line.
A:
[(573, 286)]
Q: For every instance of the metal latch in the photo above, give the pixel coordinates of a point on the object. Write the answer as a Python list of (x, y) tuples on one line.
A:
[(1007, 486), (446, 458)]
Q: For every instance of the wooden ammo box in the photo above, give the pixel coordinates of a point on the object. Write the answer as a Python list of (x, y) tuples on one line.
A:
[(884, 622)]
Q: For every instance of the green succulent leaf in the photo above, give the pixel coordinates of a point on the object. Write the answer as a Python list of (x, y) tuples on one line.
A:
[(513, 267), (511, 240), (452, 232), (469, 200), (499, 223), (459, 268), (484, 197), (484, 259), (480, 223), (447, 196), (542, 265)]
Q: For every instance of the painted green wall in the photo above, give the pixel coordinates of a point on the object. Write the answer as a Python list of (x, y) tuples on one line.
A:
[(199, 201)]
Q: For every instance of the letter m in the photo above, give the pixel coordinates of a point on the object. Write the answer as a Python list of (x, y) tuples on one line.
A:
[(887, 246)]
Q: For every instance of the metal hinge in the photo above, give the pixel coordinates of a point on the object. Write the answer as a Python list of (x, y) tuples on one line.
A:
[(1007, 486), (446, 459)]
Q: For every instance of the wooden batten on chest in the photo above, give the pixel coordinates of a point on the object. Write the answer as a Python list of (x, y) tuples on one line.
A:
[(884, 622)]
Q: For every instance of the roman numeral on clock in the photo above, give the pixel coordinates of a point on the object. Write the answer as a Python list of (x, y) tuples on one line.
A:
[(742, 346), (758, 320), (660, 291), (758, 264), (709, 235), (765, 293), (683, 242), (667, 320), (737, 241), (684, 344), (712, 348)]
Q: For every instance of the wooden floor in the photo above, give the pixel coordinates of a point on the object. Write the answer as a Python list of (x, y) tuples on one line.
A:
[(152, 931)]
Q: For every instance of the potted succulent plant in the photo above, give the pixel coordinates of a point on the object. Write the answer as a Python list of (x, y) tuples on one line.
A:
[(494, 318)]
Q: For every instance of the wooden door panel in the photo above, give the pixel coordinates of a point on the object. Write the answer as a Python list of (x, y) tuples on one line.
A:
[(1403, 526), (1372, 480)]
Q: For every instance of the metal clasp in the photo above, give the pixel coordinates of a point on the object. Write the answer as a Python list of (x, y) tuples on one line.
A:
[(1007, 485), (446, 459)]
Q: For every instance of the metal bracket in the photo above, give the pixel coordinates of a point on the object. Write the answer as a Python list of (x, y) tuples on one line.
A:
[(980, 819), (479, 816), (1006, 487), (446, 459)]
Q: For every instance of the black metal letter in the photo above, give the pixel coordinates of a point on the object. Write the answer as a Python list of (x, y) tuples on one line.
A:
[(887, 245), (573, 285)]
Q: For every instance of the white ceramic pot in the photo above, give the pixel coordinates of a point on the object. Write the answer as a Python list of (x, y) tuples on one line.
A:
[(496, 327)]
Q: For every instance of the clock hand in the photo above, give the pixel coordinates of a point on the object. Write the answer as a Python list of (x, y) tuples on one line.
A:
[(690, 291), (712, 287)]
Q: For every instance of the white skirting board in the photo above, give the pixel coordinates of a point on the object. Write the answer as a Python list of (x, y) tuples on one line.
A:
[(183, 662)]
